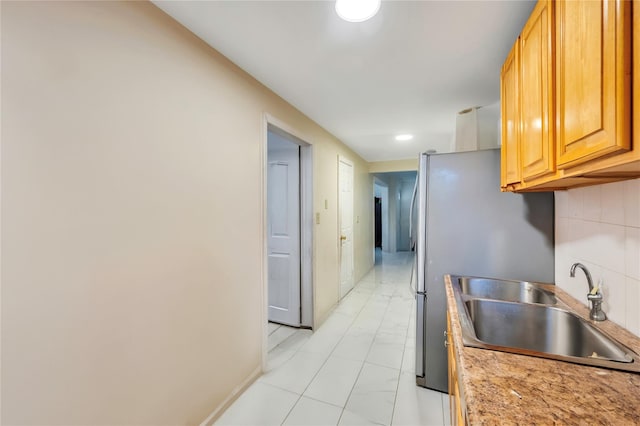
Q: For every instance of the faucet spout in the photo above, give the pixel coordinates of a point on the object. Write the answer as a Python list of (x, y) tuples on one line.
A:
[(594, 296), (572, 273)]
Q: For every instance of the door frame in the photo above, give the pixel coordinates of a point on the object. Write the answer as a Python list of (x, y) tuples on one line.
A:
[(385, 213), (275, 125)]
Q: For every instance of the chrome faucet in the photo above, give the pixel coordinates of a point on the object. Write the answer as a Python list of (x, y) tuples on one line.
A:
[(594, 295)]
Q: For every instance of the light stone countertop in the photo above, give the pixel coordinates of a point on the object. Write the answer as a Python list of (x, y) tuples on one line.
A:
[(505, 388)]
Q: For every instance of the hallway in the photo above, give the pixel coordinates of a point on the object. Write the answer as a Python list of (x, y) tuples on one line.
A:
[(357, 369)]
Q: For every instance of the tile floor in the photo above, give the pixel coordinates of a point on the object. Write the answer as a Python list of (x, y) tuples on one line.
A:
[(356, 369)]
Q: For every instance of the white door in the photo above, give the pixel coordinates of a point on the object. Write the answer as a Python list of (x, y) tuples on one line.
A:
[(283, 230), (345, 205)]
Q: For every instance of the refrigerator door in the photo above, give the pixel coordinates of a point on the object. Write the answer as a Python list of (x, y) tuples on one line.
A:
[(420, 259), (420, 339), (474, 229)]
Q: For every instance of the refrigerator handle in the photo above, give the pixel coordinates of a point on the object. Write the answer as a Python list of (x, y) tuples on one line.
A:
[(421, 248), (413, 205)]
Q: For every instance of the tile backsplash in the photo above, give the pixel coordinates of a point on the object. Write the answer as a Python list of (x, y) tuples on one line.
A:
[(599, 226)]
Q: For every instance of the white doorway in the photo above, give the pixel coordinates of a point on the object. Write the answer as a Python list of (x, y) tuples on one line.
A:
[(345, 216), (280, 305)]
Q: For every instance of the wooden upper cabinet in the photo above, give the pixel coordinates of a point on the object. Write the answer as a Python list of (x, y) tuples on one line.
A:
[(592, 79), (509, 100), (536, 90)]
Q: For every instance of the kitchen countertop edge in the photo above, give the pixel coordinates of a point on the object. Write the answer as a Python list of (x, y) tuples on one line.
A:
[(500, 387)]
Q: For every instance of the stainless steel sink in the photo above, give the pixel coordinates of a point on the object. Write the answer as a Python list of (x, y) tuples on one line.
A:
[(512, 291), (528, 328)]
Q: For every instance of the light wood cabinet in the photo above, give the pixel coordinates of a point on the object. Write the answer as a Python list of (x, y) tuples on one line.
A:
[(536, 84), (593, 79), (527, 102), (456, 400), (509, 96), (574, 97)]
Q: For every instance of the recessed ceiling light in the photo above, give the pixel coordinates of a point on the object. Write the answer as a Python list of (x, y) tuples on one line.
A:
[(357, 10), (402, 138)]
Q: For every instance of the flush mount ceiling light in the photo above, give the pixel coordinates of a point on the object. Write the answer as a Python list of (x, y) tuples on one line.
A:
[(403, 138), (357, 10)]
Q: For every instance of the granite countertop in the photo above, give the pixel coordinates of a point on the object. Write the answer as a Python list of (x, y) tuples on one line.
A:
[(505, 388)]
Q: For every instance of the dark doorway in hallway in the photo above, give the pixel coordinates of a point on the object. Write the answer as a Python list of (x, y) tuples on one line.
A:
[(378, 221)]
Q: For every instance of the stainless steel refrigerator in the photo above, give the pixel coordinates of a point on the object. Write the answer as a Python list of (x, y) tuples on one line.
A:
[(464, 225)]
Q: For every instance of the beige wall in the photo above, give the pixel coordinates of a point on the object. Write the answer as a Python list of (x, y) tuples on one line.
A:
[(326, 233), (394, 166), (363, 221), (132, 217), (599, 226)]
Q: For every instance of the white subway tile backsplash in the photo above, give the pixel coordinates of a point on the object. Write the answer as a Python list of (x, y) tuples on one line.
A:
[(599, 226), (562, 204), (562, 233), (614, 292), (632, 253), (609, 249), (632, 203), (583, 239), (575, 202), (612, 196), (592, 203), (632, 303)]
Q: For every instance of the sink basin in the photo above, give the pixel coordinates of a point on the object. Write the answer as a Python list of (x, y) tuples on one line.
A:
[(541, 329), (512, 291), (524, 318)]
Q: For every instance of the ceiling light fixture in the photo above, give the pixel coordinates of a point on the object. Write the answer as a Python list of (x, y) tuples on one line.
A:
[(402, 138), (357, 10)]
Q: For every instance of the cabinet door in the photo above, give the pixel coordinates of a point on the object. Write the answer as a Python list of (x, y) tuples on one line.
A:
[(455, 399), (536, 100), (510, 168), (592, 79)]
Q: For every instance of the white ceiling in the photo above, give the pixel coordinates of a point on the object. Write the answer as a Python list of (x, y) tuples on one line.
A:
[(410, 69)]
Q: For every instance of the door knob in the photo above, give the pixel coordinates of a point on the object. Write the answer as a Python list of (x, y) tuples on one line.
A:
[(343, 237)]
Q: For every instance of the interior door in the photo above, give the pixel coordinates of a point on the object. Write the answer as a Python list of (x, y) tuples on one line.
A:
[(345, 204), (283, 225)]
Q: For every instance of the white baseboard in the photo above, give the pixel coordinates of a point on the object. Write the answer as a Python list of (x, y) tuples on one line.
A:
[(232, 397)]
